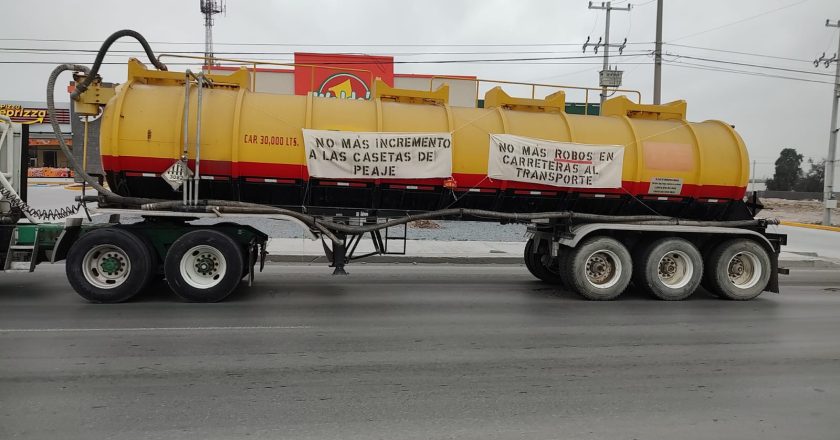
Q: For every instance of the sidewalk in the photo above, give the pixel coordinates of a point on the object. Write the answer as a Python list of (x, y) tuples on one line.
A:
[(301, 250)]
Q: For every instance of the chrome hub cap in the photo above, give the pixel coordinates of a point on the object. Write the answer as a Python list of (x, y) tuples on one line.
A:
[(603, 269), (744, 270), (675, 269), (203, 267)]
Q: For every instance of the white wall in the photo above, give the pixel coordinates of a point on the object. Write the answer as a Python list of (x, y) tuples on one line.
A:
[(462, 92), (275, 82)]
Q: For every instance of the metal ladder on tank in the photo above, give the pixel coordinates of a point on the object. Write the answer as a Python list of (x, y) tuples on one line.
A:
[(191, 179)]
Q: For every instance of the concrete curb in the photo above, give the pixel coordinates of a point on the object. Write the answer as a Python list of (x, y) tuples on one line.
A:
[(815, 263), (809, 264), (811, 226)]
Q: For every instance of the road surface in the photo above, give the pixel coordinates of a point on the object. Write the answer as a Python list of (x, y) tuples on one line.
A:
[(416, 352)]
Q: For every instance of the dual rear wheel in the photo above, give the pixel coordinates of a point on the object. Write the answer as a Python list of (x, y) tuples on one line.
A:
[(670, 268), (109, 265), (112, 265), (204, 266)]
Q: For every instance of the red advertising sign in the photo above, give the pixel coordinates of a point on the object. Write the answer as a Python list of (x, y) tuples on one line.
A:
[(28, 115), (341, 76)]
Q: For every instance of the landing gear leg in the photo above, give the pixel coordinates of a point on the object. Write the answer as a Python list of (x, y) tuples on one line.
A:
[(337, 254), (339, 257)]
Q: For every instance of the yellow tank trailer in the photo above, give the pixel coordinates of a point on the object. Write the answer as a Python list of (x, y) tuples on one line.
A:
[(252, 138)]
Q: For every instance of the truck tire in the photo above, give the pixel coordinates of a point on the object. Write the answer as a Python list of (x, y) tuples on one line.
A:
[(599, 268), (203, 266), (108, 265), (669, 269), (738, 269), (537, 268)]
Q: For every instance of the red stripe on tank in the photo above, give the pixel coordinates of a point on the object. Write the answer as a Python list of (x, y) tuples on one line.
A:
[(291, 171)]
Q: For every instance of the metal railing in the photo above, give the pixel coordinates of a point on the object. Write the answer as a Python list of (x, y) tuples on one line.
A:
[(533, 86), (478, 81), (253, 67)]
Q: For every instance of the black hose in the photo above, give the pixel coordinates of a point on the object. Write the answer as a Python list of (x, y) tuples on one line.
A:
[(66, 150), (100, 56), (228, 207)]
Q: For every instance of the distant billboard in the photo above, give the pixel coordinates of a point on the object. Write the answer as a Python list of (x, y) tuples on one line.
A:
[(341, 76)]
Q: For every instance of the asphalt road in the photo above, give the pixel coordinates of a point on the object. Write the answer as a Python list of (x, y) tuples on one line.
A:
[(395, 352)]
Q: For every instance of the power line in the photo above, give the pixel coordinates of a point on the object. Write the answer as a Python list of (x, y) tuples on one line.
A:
[(758, 66), (740, 53), (38, 51), (741, 20), (566, 60), (316, 45), (35, 50), (449, 61), (739, 72), (291, 63)]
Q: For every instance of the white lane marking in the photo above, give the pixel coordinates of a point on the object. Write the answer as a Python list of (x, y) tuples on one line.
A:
[(149, 329)]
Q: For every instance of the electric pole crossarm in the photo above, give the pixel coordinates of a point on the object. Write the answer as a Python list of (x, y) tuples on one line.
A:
[(607, 7)]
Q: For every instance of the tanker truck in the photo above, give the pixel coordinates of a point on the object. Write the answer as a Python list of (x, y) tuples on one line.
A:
[(636, 194)]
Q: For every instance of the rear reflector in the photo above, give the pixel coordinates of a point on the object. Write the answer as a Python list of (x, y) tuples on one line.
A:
[(412, 187), (535, 193), (599, 196), (662, 198), (476, 190), (266, 180), (351, 184)]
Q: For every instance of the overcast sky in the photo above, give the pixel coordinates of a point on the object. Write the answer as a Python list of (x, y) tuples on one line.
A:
[(770, 113)]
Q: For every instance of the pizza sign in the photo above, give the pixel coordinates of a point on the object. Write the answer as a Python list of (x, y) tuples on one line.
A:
[(23, 115), (32, 115)]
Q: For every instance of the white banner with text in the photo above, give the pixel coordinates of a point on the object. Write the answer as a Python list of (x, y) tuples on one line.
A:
[(373, 155), (530, 160)]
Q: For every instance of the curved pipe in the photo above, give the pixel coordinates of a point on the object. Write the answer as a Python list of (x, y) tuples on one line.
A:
[(100, 56)]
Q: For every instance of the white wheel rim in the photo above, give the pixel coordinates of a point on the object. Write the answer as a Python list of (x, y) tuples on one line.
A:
[(106, 266), (203, 267), (744, 270), (675, 269), (603, 269)]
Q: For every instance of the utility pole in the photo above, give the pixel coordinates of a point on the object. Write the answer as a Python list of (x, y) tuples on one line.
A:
[(753, 177), (607, 79), (210, 8), (828, 175), (657, 66)]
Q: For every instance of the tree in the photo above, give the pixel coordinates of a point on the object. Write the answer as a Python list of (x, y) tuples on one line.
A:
[(813, 179), (788, 171)]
